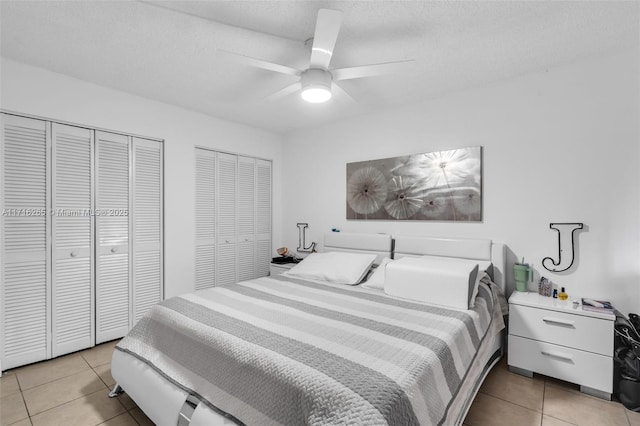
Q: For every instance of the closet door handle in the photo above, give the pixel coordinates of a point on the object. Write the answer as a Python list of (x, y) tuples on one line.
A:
[(73, 254), (114, 249)]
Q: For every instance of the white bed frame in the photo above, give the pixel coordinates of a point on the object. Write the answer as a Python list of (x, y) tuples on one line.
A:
[(167, 404)]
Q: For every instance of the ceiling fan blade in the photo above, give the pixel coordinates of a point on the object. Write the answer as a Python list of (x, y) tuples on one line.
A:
[(341, 95), (324, 39), (283, 92), (259, 63), (370, 70)]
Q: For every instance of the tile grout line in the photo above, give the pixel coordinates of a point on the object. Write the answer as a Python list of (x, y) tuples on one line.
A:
[(50, 381), (64, 403), (544, 391), (514, 403), (25, 405), (511, 402)]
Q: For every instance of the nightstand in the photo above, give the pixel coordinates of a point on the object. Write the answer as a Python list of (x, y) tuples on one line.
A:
[(278, 268), (551, 337)]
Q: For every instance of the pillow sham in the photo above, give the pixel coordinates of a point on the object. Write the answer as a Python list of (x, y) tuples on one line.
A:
[(376, 280), (440, 281), (335, 267)]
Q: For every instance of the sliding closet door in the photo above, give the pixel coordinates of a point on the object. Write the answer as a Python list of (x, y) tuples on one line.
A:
[(227, 217), (205, 219), (147, 235), (24, 254), (72, 239), (112, 232), (246, 218), (263, 217)]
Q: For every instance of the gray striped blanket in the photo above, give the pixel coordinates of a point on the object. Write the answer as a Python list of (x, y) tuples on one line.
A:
[(284, 351)]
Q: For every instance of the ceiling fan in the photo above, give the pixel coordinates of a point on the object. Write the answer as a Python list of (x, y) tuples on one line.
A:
[(318, 82)]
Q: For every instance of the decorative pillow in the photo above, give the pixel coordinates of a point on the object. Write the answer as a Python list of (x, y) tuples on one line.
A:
[(483, 266), (335, 267), (376, 280), (440, 281)]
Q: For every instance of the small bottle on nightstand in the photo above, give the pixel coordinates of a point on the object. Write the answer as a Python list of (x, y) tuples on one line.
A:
[(562, 295)]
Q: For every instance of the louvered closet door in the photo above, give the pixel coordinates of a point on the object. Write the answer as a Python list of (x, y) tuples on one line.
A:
[(72, 240), (147, 226), (112, 231), (227, 217), (246, 219), (205, 218), (263, 217), (24, 257)]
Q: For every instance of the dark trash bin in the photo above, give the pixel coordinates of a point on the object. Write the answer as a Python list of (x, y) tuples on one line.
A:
[(626, 378)]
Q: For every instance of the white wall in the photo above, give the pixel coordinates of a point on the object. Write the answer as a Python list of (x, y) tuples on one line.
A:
[(40, 92), (560, 145)]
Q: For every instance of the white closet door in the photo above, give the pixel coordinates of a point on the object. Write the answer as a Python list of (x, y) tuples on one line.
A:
[(246, 219), (227, 217), (112, 231), (263, 217), (72, 239), (24, 257), (205, 219), (147, 226)]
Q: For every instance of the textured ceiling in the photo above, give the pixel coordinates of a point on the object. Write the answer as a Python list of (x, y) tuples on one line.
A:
[(167, 50)]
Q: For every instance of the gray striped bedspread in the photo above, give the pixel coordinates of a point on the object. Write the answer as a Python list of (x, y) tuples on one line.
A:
[(283, 351)]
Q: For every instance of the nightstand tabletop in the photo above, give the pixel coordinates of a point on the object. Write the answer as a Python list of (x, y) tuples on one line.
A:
[(535, 300)]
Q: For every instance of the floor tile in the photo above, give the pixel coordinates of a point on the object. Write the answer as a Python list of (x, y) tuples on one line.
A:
[(512, 387), (561, 384), (24, 422), (99, 355), (12, 409), (581, 409), (490, 411), (634, 417), (104, 371), (8, 385), (141, 417), (552, 421), (89, 410), (52, 394), (126, 401), (48, 371), (124, 419)]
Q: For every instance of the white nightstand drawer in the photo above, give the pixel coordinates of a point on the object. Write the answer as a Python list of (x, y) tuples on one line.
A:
[(584, 368), (571, 330), (278, 268)]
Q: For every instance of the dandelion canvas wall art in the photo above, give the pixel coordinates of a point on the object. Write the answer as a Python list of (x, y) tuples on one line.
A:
[(443, 185)]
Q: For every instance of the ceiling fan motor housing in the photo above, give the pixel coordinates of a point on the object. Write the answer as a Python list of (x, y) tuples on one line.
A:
[(315, 78)]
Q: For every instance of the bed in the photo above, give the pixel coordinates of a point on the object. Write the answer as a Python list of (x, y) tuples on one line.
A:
[(298, 350)]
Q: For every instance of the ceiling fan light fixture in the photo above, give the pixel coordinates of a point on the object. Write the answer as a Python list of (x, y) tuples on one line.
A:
[(316, 85), (316, 95)]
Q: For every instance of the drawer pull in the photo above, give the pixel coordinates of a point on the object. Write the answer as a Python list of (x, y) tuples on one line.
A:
[(557, 355), (558, 321)]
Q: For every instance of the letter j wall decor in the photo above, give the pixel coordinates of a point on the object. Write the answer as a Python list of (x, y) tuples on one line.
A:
[(443, 185)]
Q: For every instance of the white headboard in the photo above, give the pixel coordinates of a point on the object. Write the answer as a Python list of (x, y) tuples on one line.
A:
[(461, 248), (378, 244)]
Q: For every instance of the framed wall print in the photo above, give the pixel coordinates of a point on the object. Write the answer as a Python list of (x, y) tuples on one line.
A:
[(440, 186)]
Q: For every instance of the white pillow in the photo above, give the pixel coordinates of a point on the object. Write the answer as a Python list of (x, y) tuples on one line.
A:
[(484, 266), (376, 280), (335, 267), (440, 281)]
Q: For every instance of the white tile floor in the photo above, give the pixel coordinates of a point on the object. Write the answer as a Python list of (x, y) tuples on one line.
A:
[(72, 390)]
